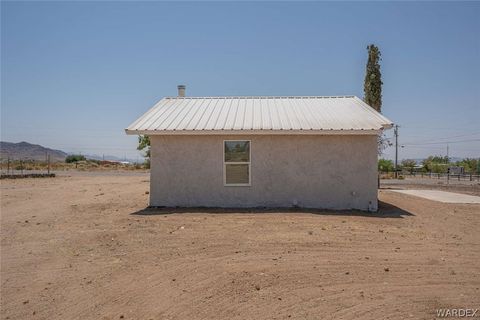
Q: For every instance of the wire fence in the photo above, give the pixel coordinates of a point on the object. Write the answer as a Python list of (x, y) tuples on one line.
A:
[(444, 176), (439, 176), (25, 167), (32, 168)]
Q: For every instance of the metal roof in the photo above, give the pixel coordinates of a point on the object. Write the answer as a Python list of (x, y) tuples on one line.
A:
[(262, 115)]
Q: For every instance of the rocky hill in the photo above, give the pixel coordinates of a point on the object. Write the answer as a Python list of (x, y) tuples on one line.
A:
[(27, 151)]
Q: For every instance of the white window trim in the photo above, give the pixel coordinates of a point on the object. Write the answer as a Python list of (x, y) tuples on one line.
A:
[(249, 163)]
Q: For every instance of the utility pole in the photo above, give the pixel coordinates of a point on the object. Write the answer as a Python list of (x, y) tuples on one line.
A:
[(395, 131), (448, 169)]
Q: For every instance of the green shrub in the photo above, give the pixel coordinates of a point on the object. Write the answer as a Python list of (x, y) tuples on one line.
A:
[(385, 165), (74, 158)]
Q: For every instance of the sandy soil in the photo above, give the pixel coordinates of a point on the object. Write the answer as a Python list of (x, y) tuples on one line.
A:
[(83, 247)]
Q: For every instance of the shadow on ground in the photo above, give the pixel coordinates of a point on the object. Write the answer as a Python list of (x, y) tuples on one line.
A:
[(386, 210)]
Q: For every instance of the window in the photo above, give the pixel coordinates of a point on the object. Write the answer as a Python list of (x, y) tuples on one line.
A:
[(236, 163)]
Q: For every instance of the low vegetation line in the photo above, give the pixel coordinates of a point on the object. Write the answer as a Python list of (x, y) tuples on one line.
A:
[(27, 175)]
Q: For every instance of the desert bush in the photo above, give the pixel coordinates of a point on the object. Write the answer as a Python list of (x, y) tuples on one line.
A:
[(74, 158), (93, 164)]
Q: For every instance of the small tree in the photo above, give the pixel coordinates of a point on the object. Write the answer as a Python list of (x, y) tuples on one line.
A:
[(385, 165), (372, 88), (437, 159), (436, 164), (471, 165), (382, 143), (74, 158), (373, 79), (409, 164), (144, 145)]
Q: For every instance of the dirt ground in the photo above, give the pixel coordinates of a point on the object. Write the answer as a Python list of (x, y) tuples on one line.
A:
[(84, 247)]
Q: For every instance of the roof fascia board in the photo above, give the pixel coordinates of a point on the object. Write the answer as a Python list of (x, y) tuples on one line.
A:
[(253, 132)]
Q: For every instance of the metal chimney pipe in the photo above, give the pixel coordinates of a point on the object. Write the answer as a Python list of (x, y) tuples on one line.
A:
[(181, 90)]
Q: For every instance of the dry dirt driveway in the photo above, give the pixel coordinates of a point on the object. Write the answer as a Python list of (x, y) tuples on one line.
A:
[(82, 247)]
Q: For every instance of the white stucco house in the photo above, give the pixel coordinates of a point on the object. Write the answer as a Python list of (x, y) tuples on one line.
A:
[(313, 152)]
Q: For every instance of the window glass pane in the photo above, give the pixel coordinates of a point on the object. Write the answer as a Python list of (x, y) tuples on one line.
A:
[(237, 151), (236, 173)]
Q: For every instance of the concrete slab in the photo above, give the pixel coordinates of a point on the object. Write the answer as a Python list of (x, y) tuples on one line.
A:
[(441, 196)]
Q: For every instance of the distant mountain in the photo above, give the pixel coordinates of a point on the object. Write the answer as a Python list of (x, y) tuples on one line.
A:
[(27, 151)]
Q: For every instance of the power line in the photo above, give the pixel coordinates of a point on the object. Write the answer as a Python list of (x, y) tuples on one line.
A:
[(442, 142), (423, 126), (451, 137)]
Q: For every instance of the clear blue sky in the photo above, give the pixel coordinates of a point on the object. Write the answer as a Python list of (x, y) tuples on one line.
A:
[(75, 74)]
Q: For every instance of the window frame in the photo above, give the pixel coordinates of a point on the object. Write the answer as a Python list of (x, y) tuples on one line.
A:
[(249, 163)]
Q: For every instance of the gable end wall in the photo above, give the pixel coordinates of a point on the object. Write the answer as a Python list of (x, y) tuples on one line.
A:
[(313, 171)]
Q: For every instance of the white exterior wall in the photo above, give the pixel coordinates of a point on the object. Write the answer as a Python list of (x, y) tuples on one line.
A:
[(314, 171)]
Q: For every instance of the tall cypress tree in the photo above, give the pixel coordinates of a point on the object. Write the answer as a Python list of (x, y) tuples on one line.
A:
[(373, 79)]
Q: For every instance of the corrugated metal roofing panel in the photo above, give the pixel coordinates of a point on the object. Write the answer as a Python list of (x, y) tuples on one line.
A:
[(258, 115)]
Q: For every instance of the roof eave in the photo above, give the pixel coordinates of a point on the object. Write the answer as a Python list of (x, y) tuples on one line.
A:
[(256, 132), (387, 126)]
